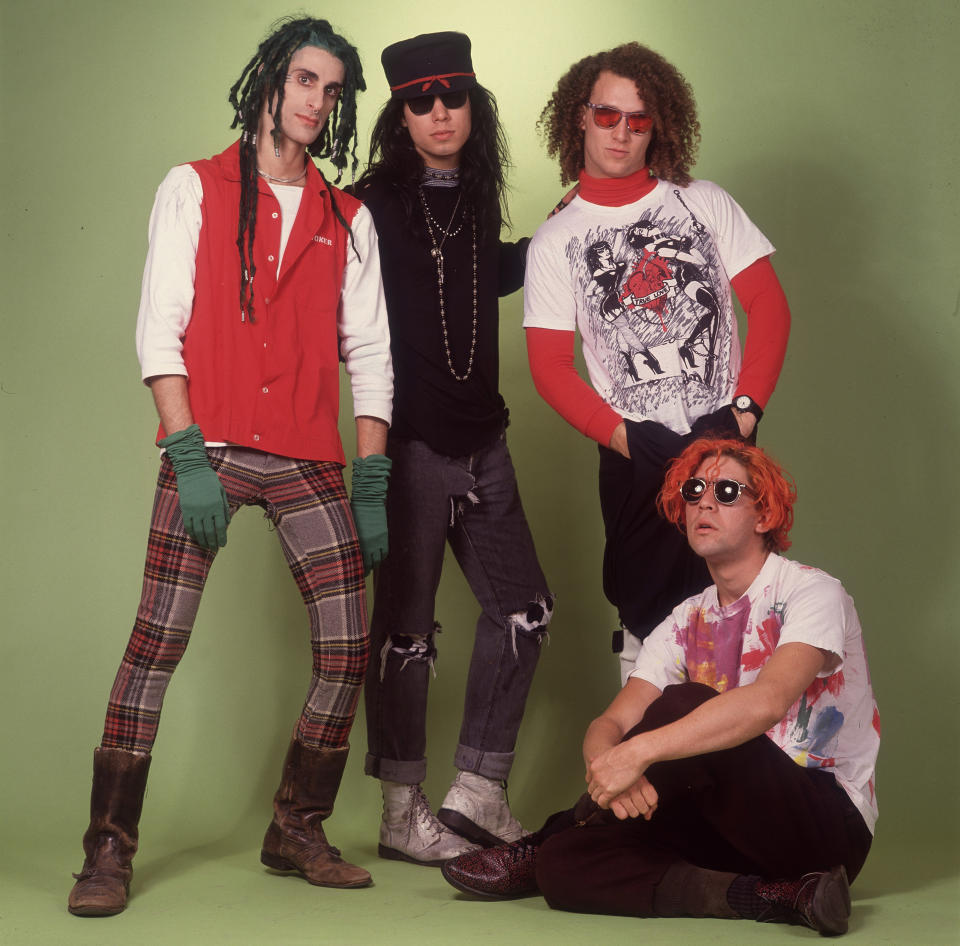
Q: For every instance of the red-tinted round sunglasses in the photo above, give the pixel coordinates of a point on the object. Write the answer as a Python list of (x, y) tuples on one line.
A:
[(606, 116)]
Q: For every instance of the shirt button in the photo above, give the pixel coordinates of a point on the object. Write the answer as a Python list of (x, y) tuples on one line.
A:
[(266, 302), (270, 259), (256, 436), (274, 215), (265, 389)]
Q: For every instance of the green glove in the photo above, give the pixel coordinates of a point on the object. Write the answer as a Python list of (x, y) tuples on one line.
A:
[(368, 503), (203, 500)]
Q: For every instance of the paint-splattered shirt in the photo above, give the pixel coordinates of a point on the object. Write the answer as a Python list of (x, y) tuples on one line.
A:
[(835, 723)]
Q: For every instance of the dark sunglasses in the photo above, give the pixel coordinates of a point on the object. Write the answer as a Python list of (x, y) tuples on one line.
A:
[(606, 116), (423, 104), (725, 492)]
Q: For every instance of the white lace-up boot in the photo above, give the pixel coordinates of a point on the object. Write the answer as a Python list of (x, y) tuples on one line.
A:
[(410, 831), (477, 808)]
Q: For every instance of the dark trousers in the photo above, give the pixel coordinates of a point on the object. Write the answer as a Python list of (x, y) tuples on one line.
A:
[(747, 810), (473, 504), (648, 567)]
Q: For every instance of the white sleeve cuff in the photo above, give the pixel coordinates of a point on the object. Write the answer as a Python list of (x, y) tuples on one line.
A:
[(363, 326)]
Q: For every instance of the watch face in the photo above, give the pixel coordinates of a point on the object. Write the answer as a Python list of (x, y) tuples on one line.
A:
[(742, 402)]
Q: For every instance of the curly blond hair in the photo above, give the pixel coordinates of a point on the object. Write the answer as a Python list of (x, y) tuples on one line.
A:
[(666, 94)]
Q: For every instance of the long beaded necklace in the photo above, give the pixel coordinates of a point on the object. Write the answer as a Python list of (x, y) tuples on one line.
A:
[(436, 252)]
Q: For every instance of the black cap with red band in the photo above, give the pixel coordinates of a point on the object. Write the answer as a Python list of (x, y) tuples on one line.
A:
[(429, 64)]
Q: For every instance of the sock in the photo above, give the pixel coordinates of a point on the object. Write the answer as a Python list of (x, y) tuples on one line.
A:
[(686, 890), (743, 897)]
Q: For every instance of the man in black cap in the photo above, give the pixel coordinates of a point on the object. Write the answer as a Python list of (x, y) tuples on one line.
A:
[(435, 187)]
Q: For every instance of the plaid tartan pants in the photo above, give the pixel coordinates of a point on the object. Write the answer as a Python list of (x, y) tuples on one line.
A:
[(308, 504)]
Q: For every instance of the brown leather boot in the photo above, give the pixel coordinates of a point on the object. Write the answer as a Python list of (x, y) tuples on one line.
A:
[(295, 840), (119, 781)]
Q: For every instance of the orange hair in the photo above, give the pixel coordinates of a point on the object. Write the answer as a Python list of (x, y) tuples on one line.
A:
[(775, 492)]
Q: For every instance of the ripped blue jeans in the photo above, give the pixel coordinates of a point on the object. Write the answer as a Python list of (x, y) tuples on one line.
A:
[(473, 503)]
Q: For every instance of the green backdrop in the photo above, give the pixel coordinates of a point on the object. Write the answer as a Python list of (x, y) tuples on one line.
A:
[(833, 123)]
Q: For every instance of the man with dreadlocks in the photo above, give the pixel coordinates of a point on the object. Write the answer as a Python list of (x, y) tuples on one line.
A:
[(435, 187), (642, 263), (259, 276)]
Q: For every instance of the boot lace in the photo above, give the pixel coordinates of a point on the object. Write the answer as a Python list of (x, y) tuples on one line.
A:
[(421, 815), (522, 849)]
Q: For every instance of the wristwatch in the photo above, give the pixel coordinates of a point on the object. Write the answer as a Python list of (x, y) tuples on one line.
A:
[(747, 404)]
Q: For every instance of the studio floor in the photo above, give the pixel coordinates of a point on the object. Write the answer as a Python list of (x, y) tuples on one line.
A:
[(219, 893)]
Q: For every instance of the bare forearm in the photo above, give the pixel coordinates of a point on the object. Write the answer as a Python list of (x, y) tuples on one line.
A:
[(172, 401), (728, 720), (626, 710), (371, 436), (720, 723), (740, 714), (602, 734)]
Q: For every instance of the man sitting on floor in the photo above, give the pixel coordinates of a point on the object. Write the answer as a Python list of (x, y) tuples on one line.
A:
[(733, 775)]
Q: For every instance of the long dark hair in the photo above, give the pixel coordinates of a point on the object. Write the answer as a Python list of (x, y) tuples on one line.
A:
[(483, 161), (262, 80)]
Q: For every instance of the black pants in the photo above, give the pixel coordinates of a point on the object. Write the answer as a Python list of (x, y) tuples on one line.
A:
[(648, 567), (749, 810)]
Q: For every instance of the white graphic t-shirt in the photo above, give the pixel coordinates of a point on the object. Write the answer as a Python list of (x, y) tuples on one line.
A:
[(648, 286), (835, 723)]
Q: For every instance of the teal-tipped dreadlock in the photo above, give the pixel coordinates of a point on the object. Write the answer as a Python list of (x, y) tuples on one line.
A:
[(262, 80)]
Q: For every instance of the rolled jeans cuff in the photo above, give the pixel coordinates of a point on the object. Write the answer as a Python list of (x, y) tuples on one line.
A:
[(395, 770), (494, 765)]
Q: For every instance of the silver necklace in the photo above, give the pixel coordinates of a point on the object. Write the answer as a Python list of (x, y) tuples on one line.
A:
[(431, 222), (283, 180), (436, 252)]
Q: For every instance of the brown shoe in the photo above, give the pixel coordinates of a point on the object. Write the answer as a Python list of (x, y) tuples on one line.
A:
[(295, 840), (119, 782), (497, 873)]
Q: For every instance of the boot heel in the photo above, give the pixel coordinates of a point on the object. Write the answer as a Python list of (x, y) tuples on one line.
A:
[(275, 861)]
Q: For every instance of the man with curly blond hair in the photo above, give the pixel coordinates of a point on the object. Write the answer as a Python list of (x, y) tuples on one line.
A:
[(642, 263), (733, 774)]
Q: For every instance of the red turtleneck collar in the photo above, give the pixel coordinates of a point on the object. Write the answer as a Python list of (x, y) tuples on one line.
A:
[(616, 191)]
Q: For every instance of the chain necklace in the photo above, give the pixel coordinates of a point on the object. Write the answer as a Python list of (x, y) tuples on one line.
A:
[(432, 223), (436, 252), (282, 180)]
